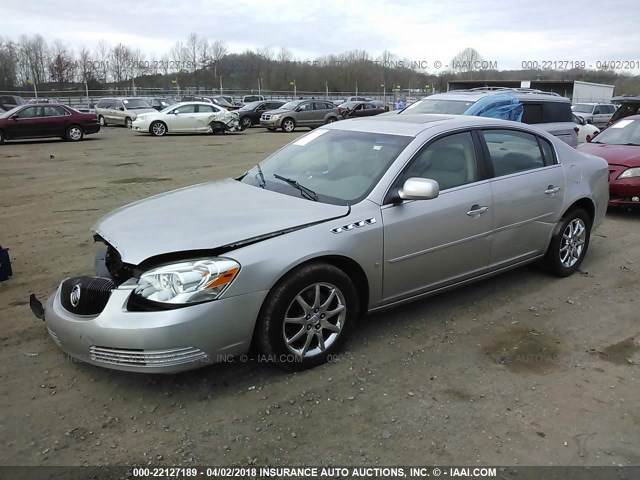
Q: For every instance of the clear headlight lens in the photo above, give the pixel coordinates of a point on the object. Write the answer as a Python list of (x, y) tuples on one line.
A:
[(630, 173), (276, 117), (188, 282)]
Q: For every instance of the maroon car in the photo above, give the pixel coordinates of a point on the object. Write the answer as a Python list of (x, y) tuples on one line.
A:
[(47, 120), (620, 146)]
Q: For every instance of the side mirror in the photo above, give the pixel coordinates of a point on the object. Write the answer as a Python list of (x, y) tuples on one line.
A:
[(589, 120), (121, 109), (415, 188), (14, 117)]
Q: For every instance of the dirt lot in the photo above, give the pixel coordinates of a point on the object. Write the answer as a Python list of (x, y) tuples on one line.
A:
[(522, 369)]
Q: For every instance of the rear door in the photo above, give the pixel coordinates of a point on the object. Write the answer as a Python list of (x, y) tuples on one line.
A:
[(429, 244), (528, 187), (57, 120), (203, 116)]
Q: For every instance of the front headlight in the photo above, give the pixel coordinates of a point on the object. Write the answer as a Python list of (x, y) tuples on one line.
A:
[(188, 282), (276, 117), (630, 173)]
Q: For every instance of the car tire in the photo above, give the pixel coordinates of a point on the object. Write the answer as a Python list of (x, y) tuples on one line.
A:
[(74, 133), (102, 121), (1, 137), (569, 245), (246, 123), (320, 301), (331, 120), (128, 122), (158, 128), (288, 125)]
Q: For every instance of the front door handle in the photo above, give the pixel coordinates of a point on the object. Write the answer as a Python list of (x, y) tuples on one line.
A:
[(551, 190), (477, 210)]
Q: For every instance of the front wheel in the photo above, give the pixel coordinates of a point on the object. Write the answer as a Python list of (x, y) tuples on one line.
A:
[(1, 137), (569, 246), (288, 125), (74, 133), (307, 317), (103, 122), (246, 123), (128, 123), (158, 129)]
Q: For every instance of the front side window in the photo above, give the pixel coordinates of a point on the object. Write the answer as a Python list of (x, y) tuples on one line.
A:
[(185, 109), (512, 152), (341, 167), (450, 161), (30, 112)]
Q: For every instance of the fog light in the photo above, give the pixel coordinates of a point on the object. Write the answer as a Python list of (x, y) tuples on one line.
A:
[(635, 199)]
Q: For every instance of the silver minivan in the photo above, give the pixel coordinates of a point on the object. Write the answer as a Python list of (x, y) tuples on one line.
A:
[(121, 110)]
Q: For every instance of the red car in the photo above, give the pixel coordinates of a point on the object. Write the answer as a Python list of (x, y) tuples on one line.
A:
[(47, 120), (620, 146)]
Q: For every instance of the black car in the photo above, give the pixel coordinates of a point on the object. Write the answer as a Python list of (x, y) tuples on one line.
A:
[(250, 113), (359, 109), (7, 102)]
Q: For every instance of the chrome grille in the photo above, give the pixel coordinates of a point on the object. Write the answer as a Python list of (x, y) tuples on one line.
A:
[(54, 337), (148, 358)]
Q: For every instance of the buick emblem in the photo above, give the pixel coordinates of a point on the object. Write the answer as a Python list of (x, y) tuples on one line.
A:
[(75, 295)]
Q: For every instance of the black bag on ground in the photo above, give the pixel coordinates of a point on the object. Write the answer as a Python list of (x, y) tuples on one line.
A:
[(5, 264)]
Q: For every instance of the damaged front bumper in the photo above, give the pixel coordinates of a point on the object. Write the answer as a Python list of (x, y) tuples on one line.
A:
[(159, 341)]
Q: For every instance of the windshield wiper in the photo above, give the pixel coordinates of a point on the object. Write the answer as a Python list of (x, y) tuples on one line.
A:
[(263, 183), (310, 194)]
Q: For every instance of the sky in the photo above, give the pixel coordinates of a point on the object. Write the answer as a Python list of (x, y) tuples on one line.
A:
[(506, 32)]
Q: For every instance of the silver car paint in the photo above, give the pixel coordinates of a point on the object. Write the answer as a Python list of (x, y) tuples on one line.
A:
[(396, 264)]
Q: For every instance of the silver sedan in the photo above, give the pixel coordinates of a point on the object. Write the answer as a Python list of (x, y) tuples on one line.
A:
[(348, 219)]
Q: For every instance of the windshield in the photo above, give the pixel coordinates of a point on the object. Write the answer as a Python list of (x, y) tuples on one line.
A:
[(341, 167), (291, 105), (583, 108), (624, 132), (250, 106), (8, 113), (434, 105), (133, 103)]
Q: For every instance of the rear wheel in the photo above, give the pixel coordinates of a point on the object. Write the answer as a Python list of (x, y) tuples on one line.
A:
[(103, 122), (127, 122), (158, 128), (271, 129), (331, 119), (288, 125), (1, 137), (569, 246), (217, 128), (307, 316), (74, 133)]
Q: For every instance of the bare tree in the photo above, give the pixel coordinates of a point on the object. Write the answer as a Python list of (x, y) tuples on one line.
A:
[(466, 61), (119, 61), (178, 57), (101, 62), (61, 64)]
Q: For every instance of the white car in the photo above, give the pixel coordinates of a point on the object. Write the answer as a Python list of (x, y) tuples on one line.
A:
[(586, 131), (187, 117)]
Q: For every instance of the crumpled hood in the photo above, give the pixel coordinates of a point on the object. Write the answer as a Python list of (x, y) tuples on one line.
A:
[(627, 155), (206, 216)]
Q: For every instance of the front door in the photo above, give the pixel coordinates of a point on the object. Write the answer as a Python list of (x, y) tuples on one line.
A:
[(429, 244)]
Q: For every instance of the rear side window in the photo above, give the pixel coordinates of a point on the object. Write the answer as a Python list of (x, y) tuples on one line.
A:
[(553, 112), (547, 152), (532, 113), (206, 109), (512, 152)]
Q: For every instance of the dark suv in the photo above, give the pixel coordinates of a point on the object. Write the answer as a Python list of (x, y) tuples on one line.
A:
[(629, 105), (545, 110)]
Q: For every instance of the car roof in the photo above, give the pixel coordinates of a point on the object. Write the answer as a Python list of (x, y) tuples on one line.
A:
[(413, 125), (475, 94), (626, 98)]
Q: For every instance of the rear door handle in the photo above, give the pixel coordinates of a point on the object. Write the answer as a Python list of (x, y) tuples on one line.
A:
[(477, 210), (551, 190)]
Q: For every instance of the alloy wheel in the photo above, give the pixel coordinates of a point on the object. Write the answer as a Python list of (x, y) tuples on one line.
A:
[(314, 320), (573, 242)]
